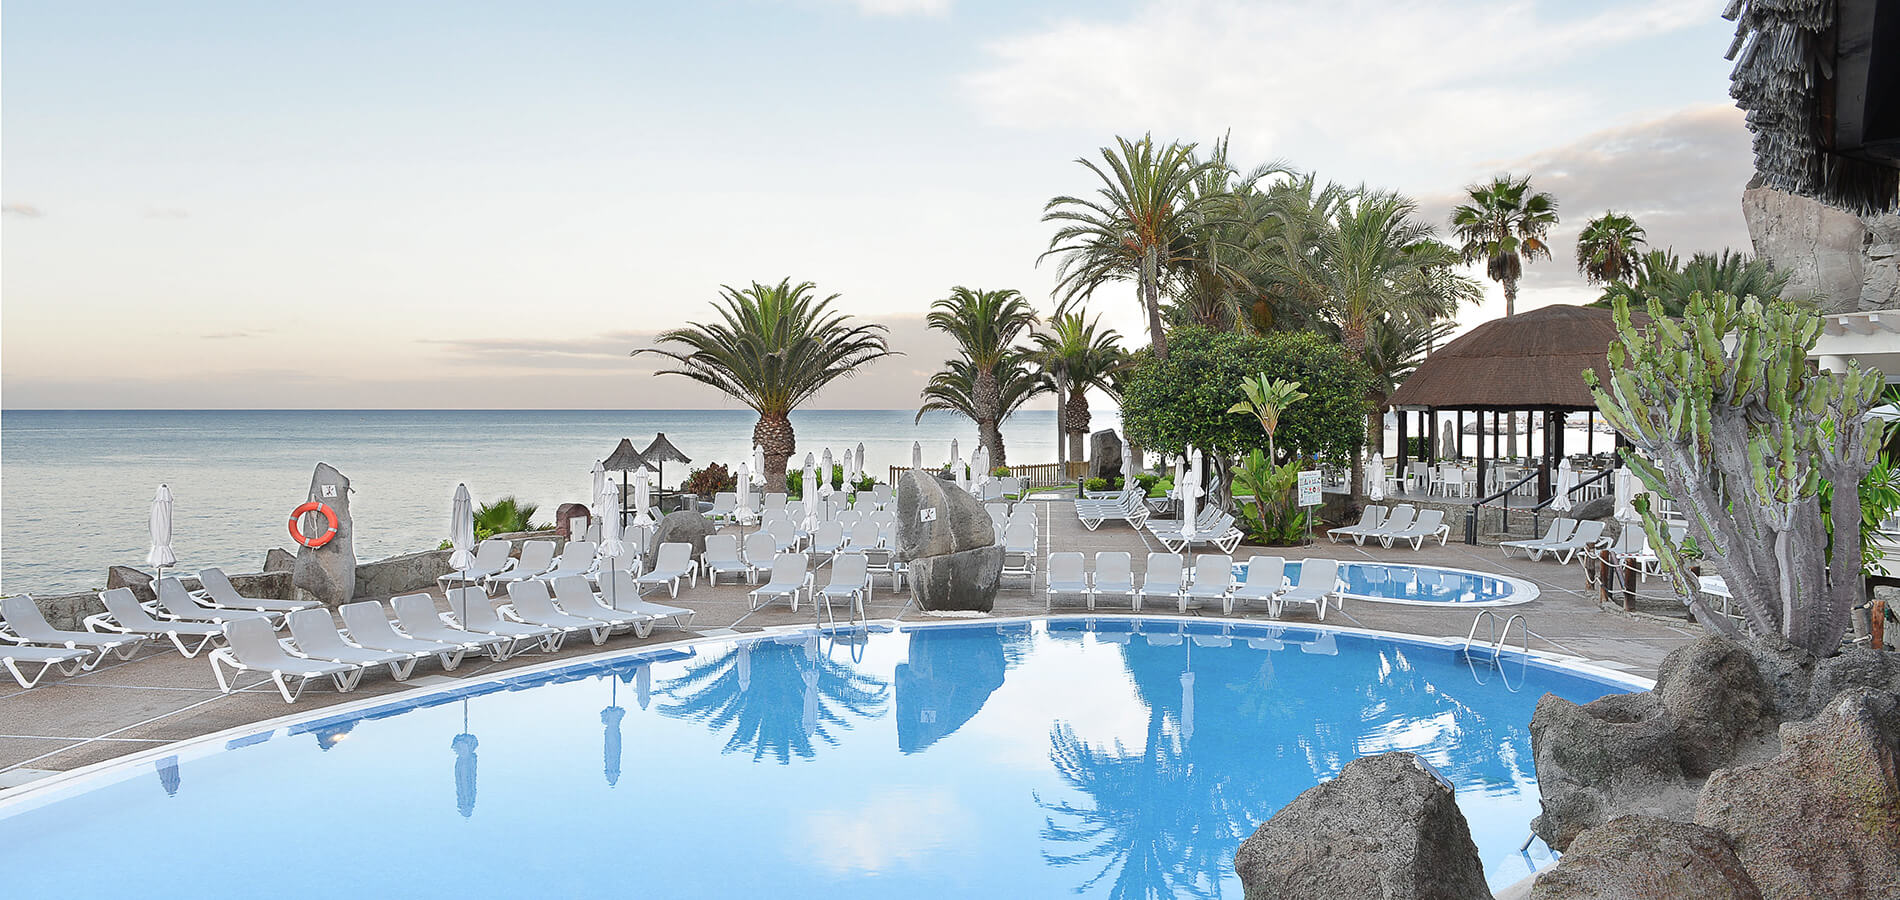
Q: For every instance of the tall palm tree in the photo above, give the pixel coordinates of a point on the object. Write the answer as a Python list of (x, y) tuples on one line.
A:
[(1139, 224), (1671, 282), (1381, 269), (1078, 355), (985, 325), (1609, 248), (1506, 225), (775, 347), (953, 389)]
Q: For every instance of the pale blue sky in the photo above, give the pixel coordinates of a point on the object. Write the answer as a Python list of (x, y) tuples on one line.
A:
[(487, 204)]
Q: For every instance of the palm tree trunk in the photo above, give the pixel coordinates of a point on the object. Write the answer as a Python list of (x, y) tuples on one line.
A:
[(1062, 417), (987, 399), (777, 441), (1510, 296), (1151, 300), (1076, 417)]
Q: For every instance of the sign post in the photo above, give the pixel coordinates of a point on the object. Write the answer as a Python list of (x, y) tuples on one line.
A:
[(1310, 496)]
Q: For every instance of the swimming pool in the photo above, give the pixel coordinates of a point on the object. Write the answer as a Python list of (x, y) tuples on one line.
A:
[(1383, 582), (1031, 758)]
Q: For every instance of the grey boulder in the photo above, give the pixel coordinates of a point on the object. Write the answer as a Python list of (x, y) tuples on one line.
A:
[(1822, 819), (683, 527), (965, 580), (127, 577), (1648, 857), (937, 518), (327, 574), (277, 559), (1719, 701), (1614, 755), (1388, 827)]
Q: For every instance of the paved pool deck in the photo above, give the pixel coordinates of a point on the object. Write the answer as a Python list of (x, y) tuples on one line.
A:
[(159, 697)]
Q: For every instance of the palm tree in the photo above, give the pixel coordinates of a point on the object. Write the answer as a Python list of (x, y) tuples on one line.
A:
[(775, 347), (1505, 224), (1077, 355), (953, 389), (504, 516), (985, 325), (1140, 225), (1671, 283), (1608, 248), (1381, 269)]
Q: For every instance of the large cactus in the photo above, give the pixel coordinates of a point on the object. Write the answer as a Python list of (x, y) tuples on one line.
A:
[(1732, 423)]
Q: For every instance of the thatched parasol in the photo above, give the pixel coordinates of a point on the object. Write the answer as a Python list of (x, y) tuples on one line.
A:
[(625, 459), (661, 452)]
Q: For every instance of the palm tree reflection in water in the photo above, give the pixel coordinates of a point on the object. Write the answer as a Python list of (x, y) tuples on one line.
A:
[(780, 703), (1164, 819)]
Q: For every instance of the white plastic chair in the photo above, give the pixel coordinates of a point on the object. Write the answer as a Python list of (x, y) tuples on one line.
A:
[(177, 603), (68, 661), (1162, 579), (536, 557), (219, 593), (850, 582), (760, 549), (417, 615), (575, 598), (1019, 550), (491, 558), (1265, 579), (1213, 580), (1319, 580), (533, 603), (472, 610), (672, 562), (577, 558), (621, 593), (29, 626)]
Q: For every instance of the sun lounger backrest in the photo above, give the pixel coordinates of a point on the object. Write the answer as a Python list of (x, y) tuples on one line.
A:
[(254, 644), (725, 501), (848, 570), (722, 548), (1399, 519), (1588, 531), (1428, 521), (416, 612), (1164, 570), (123, 606), (618, 587), (531, 598), (316, 634), (366, 620), (674, 556), (1318, 575), (1114, 569), (1266, 571), (179, 602), (788, 568), (578, 555), (864, 534), (490, 555), (1065, 567), (219, 586), (829, 534), (472, 608), (1213, 570), (536, 556), (1019, 537), (24, 617), (759, 548), (574, 595)]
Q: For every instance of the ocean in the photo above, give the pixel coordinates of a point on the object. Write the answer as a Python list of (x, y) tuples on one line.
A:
[(76, 486)]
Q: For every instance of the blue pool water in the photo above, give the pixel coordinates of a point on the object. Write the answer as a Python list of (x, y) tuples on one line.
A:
[(1400, 583), (1101, 757)]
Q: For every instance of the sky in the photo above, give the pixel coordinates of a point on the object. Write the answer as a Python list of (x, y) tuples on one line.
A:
[(488, 205)]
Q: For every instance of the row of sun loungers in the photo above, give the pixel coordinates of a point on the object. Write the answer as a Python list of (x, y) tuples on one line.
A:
[(1403, 522), (1126, 506), (1211, 580)]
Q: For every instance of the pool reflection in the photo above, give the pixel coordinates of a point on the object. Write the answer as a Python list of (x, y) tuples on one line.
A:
[(776, 698), (950, 674)]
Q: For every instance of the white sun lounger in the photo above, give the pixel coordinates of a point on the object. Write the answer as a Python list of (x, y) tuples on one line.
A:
[(826, 539), (318, 638), (1213, 580), (577, 558), (370, 628), (536, 558), (672, 562), (760, 549), (620, 592), (491, 558), (251, 646), (532, 603), (417, 615), (1369, 521), (850, 582), (1067, 579), (29, 626), (1019, 550), (1535, 548), (1430, 524), (67, 660), (1319, 581), (177, 603), (1114, 576), (577, 599), (218, 592), (1162, 579), (789, 576), (124, 615), (1127, 508), (1588, 532), (1265, 579), (1399, 519), (472, 610), (722, 558), (724, 505)]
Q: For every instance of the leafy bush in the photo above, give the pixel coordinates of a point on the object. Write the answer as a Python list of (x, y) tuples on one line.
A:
[(1000, 472), (1271, 516), (504, 516), (1148, 483), (710, 480), (1095, 484), (1185, 400), (795, 482)]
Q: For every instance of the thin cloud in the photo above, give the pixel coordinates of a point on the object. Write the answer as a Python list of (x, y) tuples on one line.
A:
[(23, 210)]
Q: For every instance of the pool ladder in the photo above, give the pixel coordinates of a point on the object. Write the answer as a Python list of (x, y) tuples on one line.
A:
[(1495, 643)]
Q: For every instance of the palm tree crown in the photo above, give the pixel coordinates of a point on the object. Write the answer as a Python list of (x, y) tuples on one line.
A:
[(1140, 224), (1077, 354), (985, 325), (1505, 224), (1609, 248), (775, 347)]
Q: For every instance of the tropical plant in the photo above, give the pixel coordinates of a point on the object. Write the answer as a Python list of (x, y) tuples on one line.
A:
[(1148, 217), (953, 389), (1505, 225), (1734, 426), (1664, 278), (1184, 400), (1266, 399), (505, 516), (1275, 519), (775, 347), (1076, 355), (1608, 248), (985, 325), (710, 480)]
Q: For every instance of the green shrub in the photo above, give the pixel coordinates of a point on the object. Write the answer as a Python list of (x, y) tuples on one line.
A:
[(1271, 516), (1095, 484), (504, 516), (710, 480), (795, 481)]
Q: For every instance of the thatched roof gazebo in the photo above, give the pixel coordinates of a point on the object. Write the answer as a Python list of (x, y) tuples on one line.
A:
[(661, 452), (625, 459), (1531, 362)]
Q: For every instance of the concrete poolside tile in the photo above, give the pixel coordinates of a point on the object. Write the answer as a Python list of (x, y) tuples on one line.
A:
[(17, 750), (63, 710)]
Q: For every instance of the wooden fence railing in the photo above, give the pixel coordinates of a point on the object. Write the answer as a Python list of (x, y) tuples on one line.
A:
[(1039, 475)]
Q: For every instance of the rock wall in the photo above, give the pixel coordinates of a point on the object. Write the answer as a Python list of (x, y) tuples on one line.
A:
[(1852, 263)]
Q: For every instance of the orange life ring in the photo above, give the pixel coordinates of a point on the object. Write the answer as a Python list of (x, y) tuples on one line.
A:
[(317, 540)]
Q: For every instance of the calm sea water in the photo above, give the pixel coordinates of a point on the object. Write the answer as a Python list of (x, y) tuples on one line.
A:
[(76, 486)]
